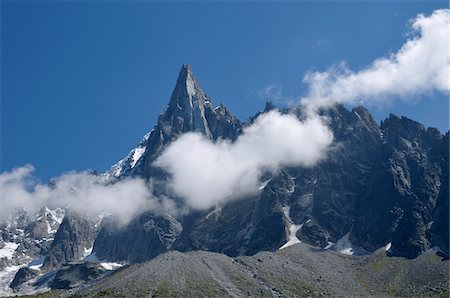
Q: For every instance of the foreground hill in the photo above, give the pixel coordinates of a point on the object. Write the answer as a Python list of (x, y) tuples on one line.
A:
[(297, 271)]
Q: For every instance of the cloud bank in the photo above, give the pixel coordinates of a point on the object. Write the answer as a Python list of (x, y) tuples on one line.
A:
[(422, 65), (205, 173), (86, 194)]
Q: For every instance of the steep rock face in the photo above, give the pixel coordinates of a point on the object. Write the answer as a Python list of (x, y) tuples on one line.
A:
[(439, 231), (143, 238), (324, 197), (401, 196), (74, 237), (241, 227)]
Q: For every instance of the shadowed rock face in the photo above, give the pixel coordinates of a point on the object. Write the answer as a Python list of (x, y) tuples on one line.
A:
[(381, 184), (439, 231), (401, 201), (143, 238)]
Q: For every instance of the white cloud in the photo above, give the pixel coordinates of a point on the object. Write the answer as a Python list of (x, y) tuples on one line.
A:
[(86, 194), (271, 93), (206, 173), (422, 65)]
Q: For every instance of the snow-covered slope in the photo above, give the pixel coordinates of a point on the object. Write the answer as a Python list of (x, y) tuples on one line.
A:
[(24, 240), (125, 165)]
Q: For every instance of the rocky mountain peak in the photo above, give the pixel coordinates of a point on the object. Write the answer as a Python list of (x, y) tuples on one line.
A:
[(190, 109), (402, 126), (187, 106), (186, 82), (269, 106), (408, 134)]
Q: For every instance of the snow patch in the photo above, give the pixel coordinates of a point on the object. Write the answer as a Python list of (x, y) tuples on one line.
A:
[(329, 245), (36, 264), (8, 250), (87, 251), (215, 211), (388, 246), (346, 247), (264, 184), (57, 215), (293, 228), (130, 160), (105, 264), (291, 190), (136, 155)]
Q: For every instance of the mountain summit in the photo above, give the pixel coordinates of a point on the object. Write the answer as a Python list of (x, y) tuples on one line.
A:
[(190, 109), (188, 105)]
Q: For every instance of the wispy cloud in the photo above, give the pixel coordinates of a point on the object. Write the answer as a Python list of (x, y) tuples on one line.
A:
[(272, 93), (422, 65), (86, 194)]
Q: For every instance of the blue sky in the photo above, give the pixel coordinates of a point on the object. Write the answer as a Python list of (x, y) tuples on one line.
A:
[(81, 82)]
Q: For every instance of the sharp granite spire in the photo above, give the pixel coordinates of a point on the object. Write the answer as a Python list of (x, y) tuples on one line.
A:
[(190, 109), (188, 104)]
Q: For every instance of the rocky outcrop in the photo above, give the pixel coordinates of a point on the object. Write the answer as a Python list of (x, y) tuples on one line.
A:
[(74, 274), (143, 238), (23, 275)]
